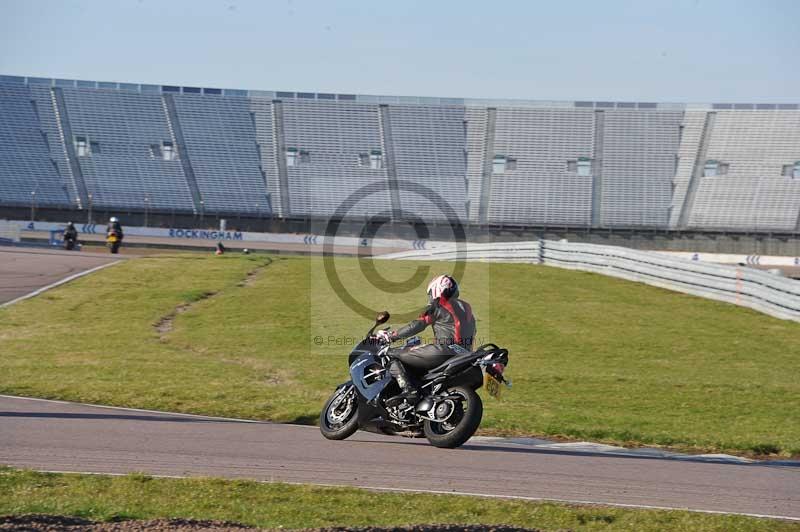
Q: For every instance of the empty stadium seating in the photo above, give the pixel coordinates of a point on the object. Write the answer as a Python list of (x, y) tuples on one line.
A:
[(219, 135), (27, 173), (302, 154), (123, 165), (752, 194), (541, 189), (638, 165), (430, 160), (336, 140)]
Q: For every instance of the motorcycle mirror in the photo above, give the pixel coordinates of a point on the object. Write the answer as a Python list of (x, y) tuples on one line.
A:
[(382, 317)]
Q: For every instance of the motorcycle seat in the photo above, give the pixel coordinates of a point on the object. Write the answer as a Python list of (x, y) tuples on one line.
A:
[(454, 361), (418, 361)]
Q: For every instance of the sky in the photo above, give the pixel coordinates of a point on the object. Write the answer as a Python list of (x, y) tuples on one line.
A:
[(619, 50)]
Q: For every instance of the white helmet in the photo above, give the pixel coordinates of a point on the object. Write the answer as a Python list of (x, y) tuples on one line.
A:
[(113, 219), (442, 286)]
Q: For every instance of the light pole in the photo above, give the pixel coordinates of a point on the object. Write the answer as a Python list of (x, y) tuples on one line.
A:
[(146, 208), (202, 211), (33, 205), (89, 211)]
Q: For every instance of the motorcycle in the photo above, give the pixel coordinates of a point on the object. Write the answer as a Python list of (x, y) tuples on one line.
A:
[(448, 411), (70, 241), (113, 241)]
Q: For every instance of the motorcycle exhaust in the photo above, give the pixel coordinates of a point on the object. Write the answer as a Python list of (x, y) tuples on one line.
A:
[(428, 409), (425, 405)]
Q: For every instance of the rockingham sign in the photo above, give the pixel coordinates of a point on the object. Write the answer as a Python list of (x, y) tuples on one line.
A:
[(205, 234)]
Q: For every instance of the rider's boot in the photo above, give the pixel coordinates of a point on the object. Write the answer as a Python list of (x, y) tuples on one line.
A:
[(409, 392)]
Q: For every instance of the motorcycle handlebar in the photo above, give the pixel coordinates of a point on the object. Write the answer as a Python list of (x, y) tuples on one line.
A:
[(375, 339)]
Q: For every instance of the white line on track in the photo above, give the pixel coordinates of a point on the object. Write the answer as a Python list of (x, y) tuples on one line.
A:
[(128, 409), (459, 493), (58, 283)]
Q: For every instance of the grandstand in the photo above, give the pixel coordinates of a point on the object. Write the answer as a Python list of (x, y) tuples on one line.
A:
[(328, 142), (77, 145)]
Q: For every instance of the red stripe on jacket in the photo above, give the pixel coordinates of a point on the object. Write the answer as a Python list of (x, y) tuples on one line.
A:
[(445, 303)]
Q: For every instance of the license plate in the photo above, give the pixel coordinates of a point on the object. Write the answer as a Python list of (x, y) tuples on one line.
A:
[(492, 385)]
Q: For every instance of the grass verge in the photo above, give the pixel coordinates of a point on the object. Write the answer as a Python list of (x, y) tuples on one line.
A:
[(592, 357), (107, 498)]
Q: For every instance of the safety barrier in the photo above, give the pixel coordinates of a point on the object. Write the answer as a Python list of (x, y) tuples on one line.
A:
[(214, 235), (9, 232), (496, 251), (761, 291)]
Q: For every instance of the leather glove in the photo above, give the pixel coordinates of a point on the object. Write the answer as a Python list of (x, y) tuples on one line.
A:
[(384, 336)]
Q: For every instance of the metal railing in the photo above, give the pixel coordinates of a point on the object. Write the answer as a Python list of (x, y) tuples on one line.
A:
[(761, 291)]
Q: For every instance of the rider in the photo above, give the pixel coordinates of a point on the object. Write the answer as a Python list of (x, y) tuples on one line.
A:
[(453, 324), (70, 236), (115, 228)]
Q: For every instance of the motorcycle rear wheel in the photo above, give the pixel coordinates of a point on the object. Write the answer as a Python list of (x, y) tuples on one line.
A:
[(338, 421), (462, 423)]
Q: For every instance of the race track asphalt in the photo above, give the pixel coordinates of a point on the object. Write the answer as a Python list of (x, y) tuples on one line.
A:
[(25, 270), (58, 436)]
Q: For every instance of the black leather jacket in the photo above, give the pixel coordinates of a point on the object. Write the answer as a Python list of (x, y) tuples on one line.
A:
[(452, 322)]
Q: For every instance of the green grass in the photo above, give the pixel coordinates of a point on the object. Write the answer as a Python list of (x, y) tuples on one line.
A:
[(592, 357), (106, 498)]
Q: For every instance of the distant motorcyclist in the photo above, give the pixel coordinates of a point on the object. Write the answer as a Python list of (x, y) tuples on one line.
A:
[(453, 324), (70, 236), (114, 234)]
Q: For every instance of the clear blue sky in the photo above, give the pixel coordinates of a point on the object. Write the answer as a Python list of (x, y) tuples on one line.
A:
[(641, 50)]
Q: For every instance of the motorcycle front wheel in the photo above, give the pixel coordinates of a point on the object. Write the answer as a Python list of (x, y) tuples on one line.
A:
[(339, 417), (463, 417)]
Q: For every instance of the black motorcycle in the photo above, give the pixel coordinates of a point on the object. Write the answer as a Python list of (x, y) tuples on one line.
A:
[(447, 413), (70, 241)]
